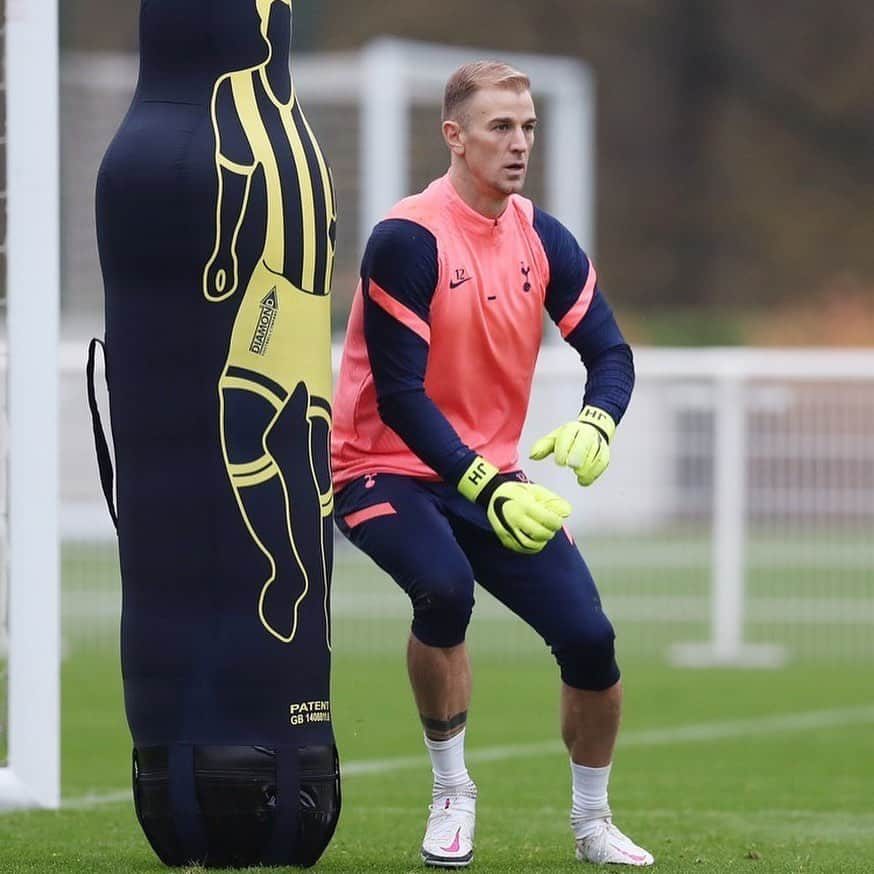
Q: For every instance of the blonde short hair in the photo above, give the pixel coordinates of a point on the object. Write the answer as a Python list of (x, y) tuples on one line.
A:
[(473, 77)]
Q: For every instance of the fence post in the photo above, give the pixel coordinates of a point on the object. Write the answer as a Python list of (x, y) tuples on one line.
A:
[(728, 556), (729, 516)]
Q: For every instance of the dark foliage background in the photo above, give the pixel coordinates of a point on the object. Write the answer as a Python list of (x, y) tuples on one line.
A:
[(735, 143)]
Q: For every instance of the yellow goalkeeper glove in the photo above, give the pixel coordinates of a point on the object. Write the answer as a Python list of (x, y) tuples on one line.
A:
[(582, 445), (525, 516)]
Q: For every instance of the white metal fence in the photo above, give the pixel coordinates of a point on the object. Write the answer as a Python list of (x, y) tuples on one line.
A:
[(734, 525), (736, 515)]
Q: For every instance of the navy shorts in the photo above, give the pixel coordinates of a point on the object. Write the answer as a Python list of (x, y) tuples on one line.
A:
[(435, 543)]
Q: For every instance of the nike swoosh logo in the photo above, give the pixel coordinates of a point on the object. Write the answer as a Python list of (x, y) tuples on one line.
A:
[(453, 847), (633, 856), (498, 509), (460, 282)]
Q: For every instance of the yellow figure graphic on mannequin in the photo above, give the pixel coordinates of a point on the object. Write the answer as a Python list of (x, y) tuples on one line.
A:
[(275, 388)]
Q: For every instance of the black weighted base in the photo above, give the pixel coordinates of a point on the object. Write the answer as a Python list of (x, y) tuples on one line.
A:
[(237, 806)]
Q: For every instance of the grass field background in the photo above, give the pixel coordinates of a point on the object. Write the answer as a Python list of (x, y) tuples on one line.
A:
[(717, 770)]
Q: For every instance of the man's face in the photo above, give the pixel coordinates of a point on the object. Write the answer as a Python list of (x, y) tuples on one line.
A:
[(497, 133)]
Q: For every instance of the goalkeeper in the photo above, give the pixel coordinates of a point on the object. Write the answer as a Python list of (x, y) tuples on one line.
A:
[(432, 394)]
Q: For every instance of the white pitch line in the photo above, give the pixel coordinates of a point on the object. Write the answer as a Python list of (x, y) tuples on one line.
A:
[(700, 732), (692, 733), (97, 799)]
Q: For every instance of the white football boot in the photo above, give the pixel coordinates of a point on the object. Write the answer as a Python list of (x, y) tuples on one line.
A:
[(609, 846), (448, 841)]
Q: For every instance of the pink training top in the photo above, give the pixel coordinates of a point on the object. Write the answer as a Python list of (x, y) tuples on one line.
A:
[(482, 326)]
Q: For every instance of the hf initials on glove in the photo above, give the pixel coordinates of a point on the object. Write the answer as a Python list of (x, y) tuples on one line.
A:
[(582, 445)]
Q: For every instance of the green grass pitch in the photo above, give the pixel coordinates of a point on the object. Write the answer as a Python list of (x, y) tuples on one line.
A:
[(717, 770)]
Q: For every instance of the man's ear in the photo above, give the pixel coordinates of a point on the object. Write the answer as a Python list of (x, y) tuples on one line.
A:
[(453, 133)]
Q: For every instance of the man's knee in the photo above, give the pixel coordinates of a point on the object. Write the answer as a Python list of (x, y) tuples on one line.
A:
[(441, 609), (588, 659)]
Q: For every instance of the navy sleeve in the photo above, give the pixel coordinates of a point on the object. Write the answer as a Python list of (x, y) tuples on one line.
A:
[(602, 348), (401, 259)]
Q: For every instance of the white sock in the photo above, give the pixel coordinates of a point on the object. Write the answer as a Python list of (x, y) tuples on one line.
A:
[(447, 762), (590, 803)]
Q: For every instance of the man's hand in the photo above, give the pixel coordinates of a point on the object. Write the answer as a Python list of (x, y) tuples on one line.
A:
[(525, 516), (582, 445)]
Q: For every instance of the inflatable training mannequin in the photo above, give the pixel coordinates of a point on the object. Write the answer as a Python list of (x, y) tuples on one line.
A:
[(216, 228)]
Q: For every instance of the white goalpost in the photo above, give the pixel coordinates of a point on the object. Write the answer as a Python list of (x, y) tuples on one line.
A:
[(395, 74), (32, 772)]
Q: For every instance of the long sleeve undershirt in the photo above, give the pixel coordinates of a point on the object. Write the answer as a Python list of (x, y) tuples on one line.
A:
[(401, 259)]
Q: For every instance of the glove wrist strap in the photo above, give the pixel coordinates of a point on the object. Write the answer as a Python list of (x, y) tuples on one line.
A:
[(479, 481), (599, 420)]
